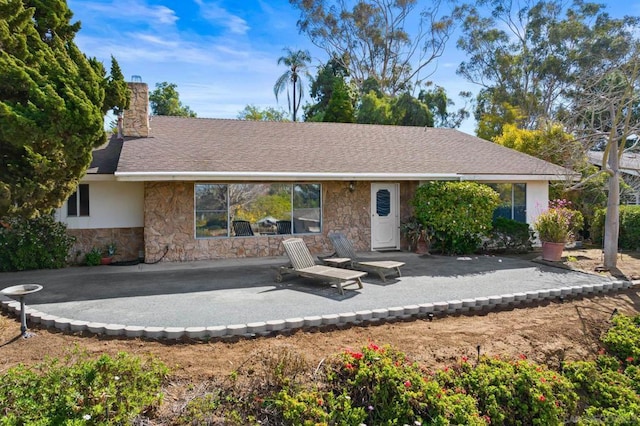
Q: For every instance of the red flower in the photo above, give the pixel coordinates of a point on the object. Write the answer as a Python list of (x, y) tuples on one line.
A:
[(465, 358), (542, 398), (407, 384), (543, 380), (630, 359), (374, 347), (356, 355), (522, 356), (320, 402), (348, 366)]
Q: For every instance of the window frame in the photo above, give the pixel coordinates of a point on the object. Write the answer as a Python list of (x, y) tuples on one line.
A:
[(78, 204), (292, 215), (512, 204)]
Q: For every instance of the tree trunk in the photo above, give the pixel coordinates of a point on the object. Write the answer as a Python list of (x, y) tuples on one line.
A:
[(612, 221), (294, 97)]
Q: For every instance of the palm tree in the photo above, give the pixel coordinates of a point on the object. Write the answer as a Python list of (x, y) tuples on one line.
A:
[(297, 64)]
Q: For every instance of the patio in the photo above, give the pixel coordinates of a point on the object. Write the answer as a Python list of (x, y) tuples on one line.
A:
[(212, 299)]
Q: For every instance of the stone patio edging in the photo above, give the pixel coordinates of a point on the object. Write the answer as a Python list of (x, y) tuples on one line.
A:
[(273, 327)]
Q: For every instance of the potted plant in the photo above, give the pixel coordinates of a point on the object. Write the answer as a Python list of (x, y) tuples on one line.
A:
[(555, 227), (416, 235), (108, 253)]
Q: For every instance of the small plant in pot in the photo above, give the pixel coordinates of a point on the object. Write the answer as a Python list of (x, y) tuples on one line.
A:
[(416, 235), (108, 253), (557, 226)]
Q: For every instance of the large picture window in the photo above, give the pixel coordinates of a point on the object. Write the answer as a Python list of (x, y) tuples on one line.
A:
[(513, 201), (244, 210)]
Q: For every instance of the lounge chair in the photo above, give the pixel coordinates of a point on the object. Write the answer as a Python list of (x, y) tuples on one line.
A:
[(302, 264), (283, 227), (346, 255), (242, 228)]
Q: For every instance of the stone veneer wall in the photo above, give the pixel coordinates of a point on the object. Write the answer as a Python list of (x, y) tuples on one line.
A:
[(169, 222), (129, 242), (136, 117)]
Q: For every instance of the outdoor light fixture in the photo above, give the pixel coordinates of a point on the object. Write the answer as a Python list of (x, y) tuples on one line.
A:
[(352, 186)]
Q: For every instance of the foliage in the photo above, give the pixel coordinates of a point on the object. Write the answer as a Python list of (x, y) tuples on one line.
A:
[(622, 340), (340, 107), (508, 235), (254, 113), (439, 103), (403, 110), (629, 227), (321, 88), (559, 224), (371, 41), (527, 55), (110, 250), (39, 243), (52, 99), (457, 212), (165, 100), (93, 257), (296, 63), (511, 392), (413, 230), (81, 390), (549, 142)]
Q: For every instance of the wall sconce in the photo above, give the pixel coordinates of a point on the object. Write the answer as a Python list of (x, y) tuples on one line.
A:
[(352, 186)]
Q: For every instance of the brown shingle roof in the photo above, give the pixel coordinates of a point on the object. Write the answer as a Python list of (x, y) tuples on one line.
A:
[(200, 145)]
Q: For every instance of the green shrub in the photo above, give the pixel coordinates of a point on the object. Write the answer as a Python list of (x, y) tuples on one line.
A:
[(93, 257), (622, 340), (629, 235), (393, 390), (508, 235), (40, 243), (456, 213), (513, 392), (80, 390), (607, 395)]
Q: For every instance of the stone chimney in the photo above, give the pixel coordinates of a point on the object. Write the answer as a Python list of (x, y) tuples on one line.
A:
[(136, 118)]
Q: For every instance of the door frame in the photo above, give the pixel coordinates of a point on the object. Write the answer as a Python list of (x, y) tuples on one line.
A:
[(395, 200)]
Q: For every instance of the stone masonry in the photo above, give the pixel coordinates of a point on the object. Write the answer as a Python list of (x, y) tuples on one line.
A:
[(136, 117), (169, 224)]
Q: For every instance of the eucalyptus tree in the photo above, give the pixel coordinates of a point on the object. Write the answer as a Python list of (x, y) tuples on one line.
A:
[(52, 104), (296, 63), (526, 55), (390, 41)]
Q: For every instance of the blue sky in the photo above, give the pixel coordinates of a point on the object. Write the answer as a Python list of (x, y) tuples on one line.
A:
[(223, 54)]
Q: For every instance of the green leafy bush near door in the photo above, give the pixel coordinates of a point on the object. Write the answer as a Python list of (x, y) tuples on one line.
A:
[(629, 235), (457, 214)]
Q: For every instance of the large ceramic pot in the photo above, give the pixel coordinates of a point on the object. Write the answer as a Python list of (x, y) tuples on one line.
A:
[(552, 251)]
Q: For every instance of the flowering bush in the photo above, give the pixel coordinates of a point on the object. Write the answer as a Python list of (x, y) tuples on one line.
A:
[(559, 223), (513, 391)]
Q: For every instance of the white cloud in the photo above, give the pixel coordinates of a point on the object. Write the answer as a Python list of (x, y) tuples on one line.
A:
[(217, 15), (127, 10)]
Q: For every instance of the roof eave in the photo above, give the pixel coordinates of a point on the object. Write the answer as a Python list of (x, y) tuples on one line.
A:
[(312, 176)]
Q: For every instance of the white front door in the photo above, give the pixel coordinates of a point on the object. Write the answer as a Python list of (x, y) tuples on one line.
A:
[(385, 216)]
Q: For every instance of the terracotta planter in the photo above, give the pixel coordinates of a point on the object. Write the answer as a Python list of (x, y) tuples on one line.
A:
[(106, 260), (422, 247), (552, 251)]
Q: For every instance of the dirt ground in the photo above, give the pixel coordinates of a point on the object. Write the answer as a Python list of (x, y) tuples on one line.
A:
[(547, 333)]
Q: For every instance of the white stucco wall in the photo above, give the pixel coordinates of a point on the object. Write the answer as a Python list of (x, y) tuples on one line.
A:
[(537, 199), (112, 204)]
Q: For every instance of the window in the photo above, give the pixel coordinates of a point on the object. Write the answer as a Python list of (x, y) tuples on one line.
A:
[(78, 203), (513, 201), (241, 210)]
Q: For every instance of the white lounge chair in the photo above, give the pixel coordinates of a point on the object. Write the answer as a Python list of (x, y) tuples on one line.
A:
[(302, 264)]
